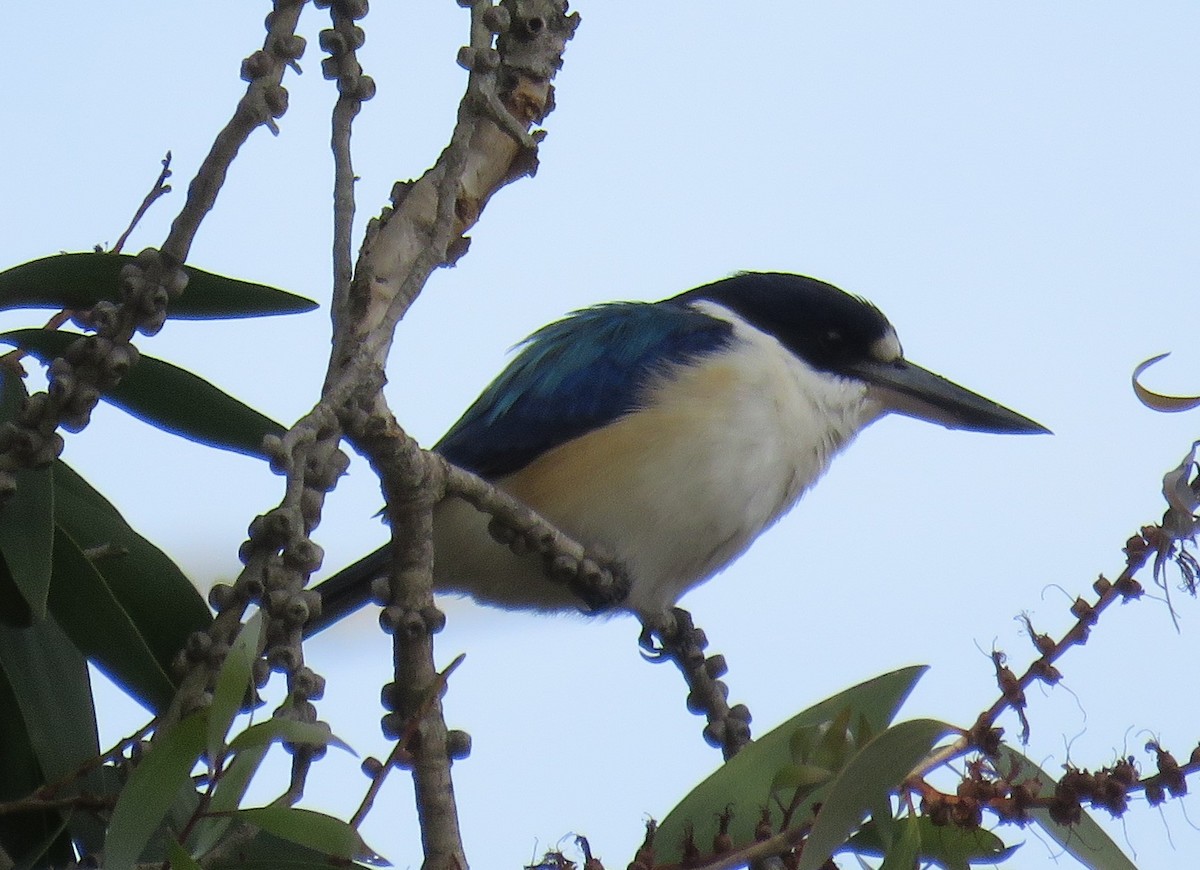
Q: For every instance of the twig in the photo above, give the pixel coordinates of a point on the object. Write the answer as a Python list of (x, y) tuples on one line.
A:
[(983, 735), (775, 845), (1042, 668), (283, 529), (44, 792), (598, 582), (160, 188), (13, 357), (75, 802), (401, 753), (681, 642), (148, 284), (342, 42), (265, 100), (1109, 787)]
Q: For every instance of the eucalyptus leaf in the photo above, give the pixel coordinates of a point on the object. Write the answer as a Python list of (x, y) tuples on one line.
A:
[(179, 858), (269, 852), (53, 691), (313, 830), (877, 769), (227, 796), (141, 596), (905, 847), (47, 730), (80, 280), (800, 776), (168, 397), (743, 784), (235, 779), (249, 749), (947, 846), (26, 527), (151, 790), (233, 680), (102, 629), (290, 731)]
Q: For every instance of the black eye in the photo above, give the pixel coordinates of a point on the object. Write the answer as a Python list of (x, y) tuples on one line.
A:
[(833, 336)]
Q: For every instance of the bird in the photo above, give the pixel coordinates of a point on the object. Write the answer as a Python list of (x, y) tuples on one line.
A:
[(670, 435)]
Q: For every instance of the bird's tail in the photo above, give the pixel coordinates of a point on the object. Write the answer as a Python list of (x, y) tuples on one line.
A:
[(347, 590)]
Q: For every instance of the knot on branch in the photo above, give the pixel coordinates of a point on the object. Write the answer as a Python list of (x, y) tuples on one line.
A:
[(147, 284), (534, 36), (412, 624)]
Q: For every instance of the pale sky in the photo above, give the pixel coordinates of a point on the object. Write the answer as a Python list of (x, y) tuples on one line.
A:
[(1015, 185)]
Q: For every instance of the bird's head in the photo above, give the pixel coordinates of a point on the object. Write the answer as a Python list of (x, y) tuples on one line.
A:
[(843, 335)]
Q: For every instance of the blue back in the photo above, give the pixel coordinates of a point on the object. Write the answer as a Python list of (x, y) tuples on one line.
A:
[(573, 376)]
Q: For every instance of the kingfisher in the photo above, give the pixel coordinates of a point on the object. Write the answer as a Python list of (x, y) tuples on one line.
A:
[(669, 435)]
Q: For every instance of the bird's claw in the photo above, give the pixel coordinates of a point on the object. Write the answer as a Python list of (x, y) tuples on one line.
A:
[(658, 634), (651, 649)]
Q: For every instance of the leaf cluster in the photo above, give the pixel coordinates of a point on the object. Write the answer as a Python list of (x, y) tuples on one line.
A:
[(78, 584)]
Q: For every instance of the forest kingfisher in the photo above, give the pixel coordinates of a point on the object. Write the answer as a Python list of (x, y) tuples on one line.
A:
[(669, 435)]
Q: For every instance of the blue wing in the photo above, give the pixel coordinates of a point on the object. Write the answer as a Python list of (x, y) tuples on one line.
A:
[(573, 376)]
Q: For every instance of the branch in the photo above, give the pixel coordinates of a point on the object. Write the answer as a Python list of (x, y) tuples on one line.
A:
[(598, 582), (679, 641), (411, 487), (99, 362), (160, 188), (403, 246), (1005, 794), (265, 100), (342, 42)]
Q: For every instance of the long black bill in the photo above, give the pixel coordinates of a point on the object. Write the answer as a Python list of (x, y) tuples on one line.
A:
[(908, 389)]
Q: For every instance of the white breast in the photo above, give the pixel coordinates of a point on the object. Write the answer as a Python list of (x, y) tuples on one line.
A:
[(721, 449)]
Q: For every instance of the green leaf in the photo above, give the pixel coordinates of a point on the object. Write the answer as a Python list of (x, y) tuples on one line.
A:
[(102, 629), (227, 797), (744, 782), (804, 777), (14, 609), (882, 819), (81, 280), (47, 730), (878, 768), (22, 834), (1085, 840), (178, 856), (289, 730), (314, 830), (946, 845), (161, 606), (233, 680), (151, 790), (268, 852), (26, 526), (235, 779), (250, 748), (168, 397), (903, 852), (836, 742), (53, 691)]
